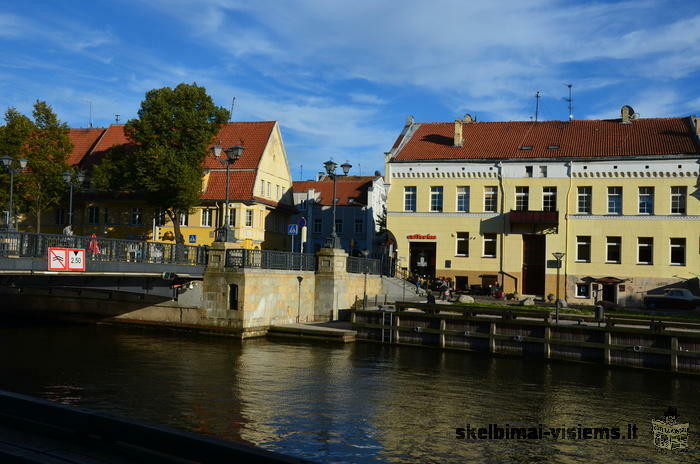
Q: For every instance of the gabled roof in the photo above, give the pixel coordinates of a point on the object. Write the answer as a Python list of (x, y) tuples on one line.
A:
[(252, 135), (83, 141), (241, 186), (113, 135), (549, 139), (346, 187)]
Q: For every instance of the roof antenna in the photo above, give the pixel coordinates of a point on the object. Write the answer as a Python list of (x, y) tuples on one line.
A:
[(359, 165), (570, 101), (230, 113), (537, 105), (116, 119), (90, 123), (301, 172)]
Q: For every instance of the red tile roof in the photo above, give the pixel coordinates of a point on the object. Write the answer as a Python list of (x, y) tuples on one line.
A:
[(252, 135), (113, 135), (346, 188), (83, 141), (241, 186), (595, 138)]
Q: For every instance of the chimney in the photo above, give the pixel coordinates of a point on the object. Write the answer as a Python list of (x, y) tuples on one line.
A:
[(468, 118), (696, 123), (320, 176), (627, 114), (458, 133)]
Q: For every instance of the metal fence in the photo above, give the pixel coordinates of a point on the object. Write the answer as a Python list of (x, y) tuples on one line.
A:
[(269, 259), (30, 245), (363, 265)]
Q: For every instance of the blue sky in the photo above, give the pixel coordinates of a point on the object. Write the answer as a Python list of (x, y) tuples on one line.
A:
[(341, 77)]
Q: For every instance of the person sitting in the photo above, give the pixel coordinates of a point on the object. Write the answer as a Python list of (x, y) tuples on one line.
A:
[(431, 297)]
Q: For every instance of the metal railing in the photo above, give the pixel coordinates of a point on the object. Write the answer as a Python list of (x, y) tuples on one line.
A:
[(270, 259), (363, 265), (31, 245)]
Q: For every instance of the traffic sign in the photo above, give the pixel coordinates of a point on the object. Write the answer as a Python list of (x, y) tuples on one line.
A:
[(66, 259), (301, 222), (292, 229), (193, 238)]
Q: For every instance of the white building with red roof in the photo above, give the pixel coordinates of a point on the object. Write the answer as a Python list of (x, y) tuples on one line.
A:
[(490, 202)]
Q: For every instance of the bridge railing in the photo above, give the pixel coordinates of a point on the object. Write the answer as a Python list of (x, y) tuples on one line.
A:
[(31, 245), (363, 265), (270, 259)]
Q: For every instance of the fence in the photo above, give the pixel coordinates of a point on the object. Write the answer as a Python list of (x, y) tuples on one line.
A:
[(31, 245), (362, 265), (270, 259)]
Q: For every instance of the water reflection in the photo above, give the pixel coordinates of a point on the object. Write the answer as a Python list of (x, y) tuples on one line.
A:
[(361, 402)]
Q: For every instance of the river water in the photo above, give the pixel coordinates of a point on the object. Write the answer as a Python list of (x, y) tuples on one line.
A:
[(360, 402)]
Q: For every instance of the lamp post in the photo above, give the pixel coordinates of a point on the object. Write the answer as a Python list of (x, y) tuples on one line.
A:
[(70, 179), (364, 304), (558, 255), (299, 279), (333, 241), (7, 163), (233, 154)]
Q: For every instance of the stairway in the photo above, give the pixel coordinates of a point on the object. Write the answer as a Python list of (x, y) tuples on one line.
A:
[(394, 289)]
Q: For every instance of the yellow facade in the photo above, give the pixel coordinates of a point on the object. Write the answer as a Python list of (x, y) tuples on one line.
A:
[(507, 266)]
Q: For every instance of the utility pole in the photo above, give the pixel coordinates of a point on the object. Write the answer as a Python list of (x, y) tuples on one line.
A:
[(537, 105), (570, 101)]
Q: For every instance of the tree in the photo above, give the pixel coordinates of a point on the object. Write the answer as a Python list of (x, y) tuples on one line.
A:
[(13, 136), (45, 144), (172, 132)]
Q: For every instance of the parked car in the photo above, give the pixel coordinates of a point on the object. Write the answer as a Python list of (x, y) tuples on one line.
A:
[(672, 298)]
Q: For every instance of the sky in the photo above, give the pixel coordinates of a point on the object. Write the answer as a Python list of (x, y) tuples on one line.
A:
[(341, 77)]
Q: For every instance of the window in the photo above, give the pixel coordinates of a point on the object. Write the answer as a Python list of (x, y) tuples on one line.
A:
[(106, 216), (614, 250), (646, 200), (584, 200), (160, 217), (409, 198), (645, 250), (262, 188), (678, 195), (249, 218), (543, 171), (184, 218), (549, 198), (436, 199), (583, 290), (463, 199), (678, 252), (359, 225), (614, 200), (583, 249), (279, 191), (338, 226), (528, 171), (136, 217), (490, 199), (207, 215), (269, 189), (522, 198), (462, 244), (489, 245), (93, 215), (60, 216), (231, 217), (317, 225)]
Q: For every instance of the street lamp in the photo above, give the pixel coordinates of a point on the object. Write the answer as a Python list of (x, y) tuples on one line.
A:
[(70, 179), (333, 241), (7, 164), (233, 154), (558, 255), (365, 253)]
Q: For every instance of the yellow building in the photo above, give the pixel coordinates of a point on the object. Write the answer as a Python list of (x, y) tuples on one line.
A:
[(487, 202), (260, 193)]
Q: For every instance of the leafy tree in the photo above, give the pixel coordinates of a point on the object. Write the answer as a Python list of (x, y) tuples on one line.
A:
[(13, 135), (173, 130), (46, 148)]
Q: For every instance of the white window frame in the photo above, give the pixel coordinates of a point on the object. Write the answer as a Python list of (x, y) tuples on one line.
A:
[(648, 194), (412, 192), (490, 238), (612, 195), (549, 195), (490, 195), (585, 285), (580, 242), (608, 244), (681, 198), (338, 225), (584, 196), (437, 199), (522, 198), (249, 216), (207, 216), (463, 194), (184, 219), (459, 239), (136, 217), (648, 243), (682, 246), (361, 223)]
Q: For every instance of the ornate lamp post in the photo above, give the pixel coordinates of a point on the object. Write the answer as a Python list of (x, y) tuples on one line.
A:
[(233, 154), (333, 241), (558, 255), (70, 179), (7, 163)]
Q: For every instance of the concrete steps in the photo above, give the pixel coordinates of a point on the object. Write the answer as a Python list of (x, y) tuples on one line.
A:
[(329, 331)]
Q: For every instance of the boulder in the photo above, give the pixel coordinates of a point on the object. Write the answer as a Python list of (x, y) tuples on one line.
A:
[(529, 301), (466, 299)]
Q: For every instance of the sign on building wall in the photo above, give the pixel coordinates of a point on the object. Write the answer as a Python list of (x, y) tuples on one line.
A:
[(421, 237), (66, 259)]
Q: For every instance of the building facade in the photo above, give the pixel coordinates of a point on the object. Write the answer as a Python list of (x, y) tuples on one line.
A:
[(260, 197), (360, 207), (490, 202)]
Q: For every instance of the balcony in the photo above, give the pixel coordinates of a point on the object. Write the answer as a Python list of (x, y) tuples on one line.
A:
[(534, 217)]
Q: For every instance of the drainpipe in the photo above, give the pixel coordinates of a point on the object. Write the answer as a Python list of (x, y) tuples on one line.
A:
[(499, 165), (570, 166)]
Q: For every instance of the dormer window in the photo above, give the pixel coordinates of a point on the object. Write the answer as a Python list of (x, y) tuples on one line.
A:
[(553, 147), (526, 147)]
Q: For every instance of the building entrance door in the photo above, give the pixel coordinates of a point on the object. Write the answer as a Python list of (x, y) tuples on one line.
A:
[(534, 264), (422, 258), (609, 293)]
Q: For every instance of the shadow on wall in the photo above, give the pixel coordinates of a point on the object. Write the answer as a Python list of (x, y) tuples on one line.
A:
[(691, 284)]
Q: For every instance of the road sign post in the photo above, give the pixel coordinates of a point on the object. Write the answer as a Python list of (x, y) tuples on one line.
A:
[(292, 229)]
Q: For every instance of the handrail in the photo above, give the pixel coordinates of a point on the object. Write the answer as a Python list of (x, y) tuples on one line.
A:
[(270, 259), (362, 265)]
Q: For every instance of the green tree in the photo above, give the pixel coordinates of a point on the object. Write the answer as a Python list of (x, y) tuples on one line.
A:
[(172, 132), (46, 147), (13, 136)]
